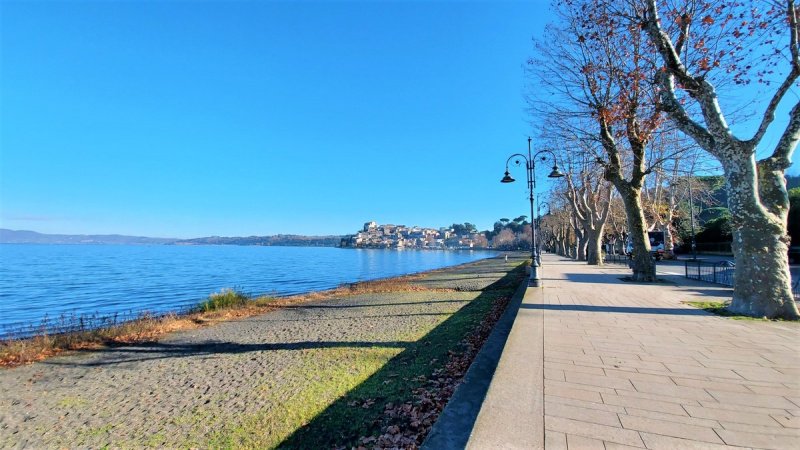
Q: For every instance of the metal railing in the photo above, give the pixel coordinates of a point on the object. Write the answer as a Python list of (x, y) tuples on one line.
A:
[(721, 272), (616, 259), (626, 260), (78, 323)]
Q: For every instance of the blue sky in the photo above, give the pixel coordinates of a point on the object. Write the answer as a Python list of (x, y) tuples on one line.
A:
[(187, 119)]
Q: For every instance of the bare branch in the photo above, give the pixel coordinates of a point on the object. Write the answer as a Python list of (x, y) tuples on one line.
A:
[(676, 111), (788, 141), (684, 34), (791, 77), (665, 48), (698, 88)]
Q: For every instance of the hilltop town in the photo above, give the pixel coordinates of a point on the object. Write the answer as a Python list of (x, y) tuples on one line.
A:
[(457, 236)]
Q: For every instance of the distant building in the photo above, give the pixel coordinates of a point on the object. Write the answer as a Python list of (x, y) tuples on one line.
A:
[(373, 235)]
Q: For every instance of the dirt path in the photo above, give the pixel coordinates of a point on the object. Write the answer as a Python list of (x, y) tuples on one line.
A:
[(198, 388)]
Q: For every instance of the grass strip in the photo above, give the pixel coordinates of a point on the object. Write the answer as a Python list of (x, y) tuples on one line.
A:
[(721, 309)]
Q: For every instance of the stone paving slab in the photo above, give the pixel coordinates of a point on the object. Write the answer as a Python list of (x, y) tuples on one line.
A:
[(628, 365)]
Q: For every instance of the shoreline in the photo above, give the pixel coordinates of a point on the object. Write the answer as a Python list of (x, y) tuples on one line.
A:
[(340, 368), (55, 310), (145, 327)]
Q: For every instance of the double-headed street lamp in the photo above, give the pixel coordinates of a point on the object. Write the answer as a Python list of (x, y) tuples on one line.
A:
[(530, 165)]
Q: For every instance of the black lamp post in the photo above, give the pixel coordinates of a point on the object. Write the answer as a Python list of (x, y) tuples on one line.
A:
[(538, 226), (530, 165), (691, 219)]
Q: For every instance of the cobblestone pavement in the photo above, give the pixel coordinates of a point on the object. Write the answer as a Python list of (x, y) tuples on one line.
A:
[(628, 365), (183, 389)]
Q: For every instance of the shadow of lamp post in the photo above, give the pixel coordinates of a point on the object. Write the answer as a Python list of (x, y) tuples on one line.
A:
[(530, 166)]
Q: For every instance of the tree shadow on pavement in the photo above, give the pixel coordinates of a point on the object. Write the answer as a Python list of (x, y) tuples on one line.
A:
[(608, 278), (619, 309), (692, 288)]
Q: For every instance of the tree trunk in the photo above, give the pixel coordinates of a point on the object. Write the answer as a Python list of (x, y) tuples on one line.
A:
[(762, 281), (669, 241), (594, 247), (580, 239), (643, 268), (581, 250), (757, 196), (560, 244), (669, 237)]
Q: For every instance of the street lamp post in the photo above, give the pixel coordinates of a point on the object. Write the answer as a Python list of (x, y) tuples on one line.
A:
[(691, 218), (530, 166), (538, 227)]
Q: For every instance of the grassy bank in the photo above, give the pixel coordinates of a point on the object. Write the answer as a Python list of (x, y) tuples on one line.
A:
[(396, 406)]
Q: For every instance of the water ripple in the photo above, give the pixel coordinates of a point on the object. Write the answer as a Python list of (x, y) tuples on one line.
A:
[(38, 281)]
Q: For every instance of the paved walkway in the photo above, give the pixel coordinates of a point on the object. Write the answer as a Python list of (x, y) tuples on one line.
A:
[(596, 362)]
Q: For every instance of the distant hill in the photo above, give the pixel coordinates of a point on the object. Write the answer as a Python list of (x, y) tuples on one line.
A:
[(292, 240), (32, 237)]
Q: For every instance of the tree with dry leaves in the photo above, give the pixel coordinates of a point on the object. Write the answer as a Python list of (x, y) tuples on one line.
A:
[(594, 69), (707, 47)]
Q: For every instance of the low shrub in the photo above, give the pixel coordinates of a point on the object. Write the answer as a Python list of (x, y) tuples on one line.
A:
[(226, 298)]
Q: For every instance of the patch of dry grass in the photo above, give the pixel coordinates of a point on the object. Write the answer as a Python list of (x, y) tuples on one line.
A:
[(16, 352)]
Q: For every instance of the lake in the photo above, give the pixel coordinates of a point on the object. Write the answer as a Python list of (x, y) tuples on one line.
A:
[(58, 281)]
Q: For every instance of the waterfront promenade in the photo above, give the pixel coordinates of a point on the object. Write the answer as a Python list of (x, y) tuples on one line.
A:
[(595, 362), (590, 361)]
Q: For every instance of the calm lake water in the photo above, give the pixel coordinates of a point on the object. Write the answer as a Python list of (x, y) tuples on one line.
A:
[(38, 281)]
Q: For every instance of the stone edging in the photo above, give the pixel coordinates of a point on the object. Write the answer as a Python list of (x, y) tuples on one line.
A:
[(459, 419), (512, 415)]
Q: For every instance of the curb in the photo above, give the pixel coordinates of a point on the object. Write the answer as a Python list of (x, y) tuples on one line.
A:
[(512, 415), (455, 424)]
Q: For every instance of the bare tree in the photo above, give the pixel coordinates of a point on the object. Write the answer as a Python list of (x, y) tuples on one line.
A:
[(590, 198), (616, 226), (597, 68), (703, 44), (667, 192), (504, 239), (556, 229)]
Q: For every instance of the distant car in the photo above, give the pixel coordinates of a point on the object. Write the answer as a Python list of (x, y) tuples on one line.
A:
[(726, 264), (656, 244)]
